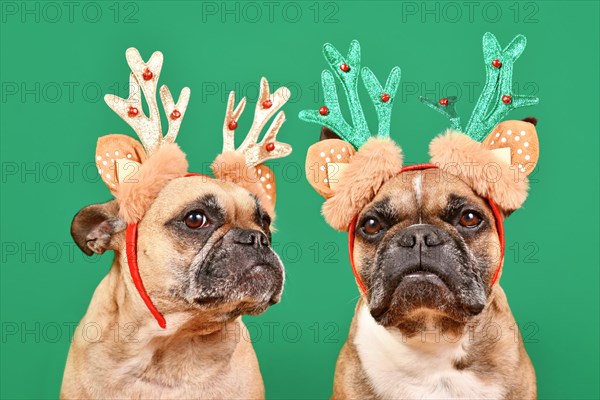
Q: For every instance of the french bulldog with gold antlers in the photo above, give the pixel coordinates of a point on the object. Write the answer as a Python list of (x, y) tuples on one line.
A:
[(426, 241), (192, 254)]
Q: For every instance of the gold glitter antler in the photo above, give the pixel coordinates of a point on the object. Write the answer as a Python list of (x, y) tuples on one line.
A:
[(145, 76), (266, 106)]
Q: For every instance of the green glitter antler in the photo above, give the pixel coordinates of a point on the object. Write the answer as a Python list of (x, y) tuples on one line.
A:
[(446, 107), (383, 107), (496, 99), (347, 70)]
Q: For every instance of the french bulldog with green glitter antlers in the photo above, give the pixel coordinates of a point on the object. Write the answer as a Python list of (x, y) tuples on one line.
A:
[(426, 242)]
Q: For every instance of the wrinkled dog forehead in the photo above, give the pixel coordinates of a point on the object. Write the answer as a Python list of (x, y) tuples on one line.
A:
[(183, 193), (427, 192)]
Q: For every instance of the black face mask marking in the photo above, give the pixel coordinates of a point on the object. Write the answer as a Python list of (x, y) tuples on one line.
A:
[(425, 261), (233, 264)]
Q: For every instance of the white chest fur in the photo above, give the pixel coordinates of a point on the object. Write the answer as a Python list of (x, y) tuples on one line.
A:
[(411, 369)]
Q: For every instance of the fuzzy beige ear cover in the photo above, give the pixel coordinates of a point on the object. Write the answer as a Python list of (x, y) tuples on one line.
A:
[(136, 194), (231, 166), (489, 176), (378, 160)]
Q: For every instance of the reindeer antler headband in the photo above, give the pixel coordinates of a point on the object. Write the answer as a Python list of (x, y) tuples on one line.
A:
[(133, 171), (244, 165), (347, 70), (497, 98), (504, 153), (345, 177), (136, 172), (349, 171), (349, 178)]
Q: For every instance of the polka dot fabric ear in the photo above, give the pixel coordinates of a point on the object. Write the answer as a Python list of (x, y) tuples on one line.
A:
[(115, 147), (522, 140), (323, 162), (267, 181)]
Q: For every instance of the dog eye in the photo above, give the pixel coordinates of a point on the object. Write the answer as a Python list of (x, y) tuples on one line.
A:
[(470, 219), (265, 223), (371, 226), (195, 220)]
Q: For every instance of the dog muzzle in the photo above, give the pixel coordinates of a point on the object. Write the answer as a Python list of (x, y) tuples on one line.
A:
[(499, 220)]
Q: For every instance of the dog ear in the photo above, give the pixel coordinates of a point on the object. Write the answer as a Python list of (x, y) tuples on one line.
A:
[(349, 179), (516, 142), (496, 168), (325, 160), (327, 133), (93, 227)]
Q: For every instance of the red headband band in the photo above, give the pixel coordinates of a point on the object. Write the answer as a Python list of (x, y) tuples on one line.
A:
[(418, 167), (132, 261)]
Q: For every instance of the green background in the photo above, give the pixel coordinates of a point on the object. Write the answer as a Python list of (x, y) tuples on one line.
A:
[(55, 68)]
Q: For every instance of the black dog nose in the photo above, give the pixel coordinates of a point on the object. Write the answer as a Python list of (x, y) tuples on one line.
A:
[(421, 236), (250, 237)]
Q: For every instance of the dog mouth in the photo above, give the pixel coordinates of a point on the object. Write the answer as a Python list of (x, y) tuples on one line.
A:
[(416, 286), (267, 279), (208, 300), (236, 278), (423, 273), (258, 270), (216, 301), (258, 282)]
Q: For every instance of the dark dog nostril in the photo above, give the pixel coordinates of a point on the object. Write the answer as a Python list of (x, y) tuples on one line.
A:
[(250, 237), (421, 235), (475, 308), (407, 241), (432, 240), (263, 240)]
